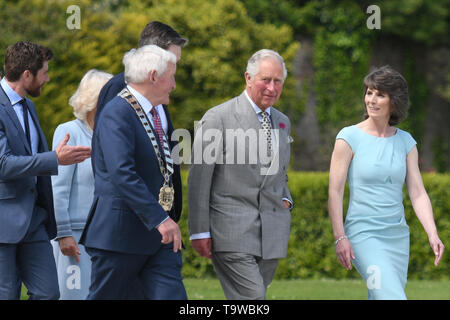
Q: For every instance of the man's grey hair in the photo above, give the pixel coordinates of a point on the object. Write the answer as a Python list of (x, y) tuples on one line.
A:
[(263, 54), (139, 62)]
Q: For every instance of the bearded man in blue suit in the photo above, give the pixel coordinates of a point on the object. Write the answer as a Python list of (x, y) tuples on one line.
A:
[(27, 221), (130, 232)]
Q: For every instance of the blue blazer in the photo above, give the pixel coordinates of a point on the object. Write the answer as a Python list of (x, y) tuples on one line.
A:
[(125, 209), (108, 92), (18, 169)]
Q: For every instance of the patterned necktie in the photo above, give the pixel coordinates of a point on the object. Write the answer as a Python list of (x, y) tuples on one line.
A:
[(23, 102), (164, 144), (267, 129), (158, 126)]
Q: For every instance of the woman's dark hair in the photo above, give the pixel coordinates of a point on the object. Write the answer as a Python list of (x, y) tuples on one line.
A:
[(392, 83)]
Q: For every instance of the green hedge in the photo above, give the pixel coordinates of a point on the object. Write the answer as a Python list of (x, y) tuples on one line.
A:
[(311, 250)]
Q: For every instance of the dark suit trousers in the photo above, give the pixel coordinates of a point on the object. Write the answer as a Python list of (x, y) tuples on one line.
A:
[(31, 261), (159, 274)]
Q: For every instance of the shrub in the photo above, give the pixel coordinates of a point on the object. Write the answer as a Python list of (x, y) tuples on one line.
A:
[(311, 252)]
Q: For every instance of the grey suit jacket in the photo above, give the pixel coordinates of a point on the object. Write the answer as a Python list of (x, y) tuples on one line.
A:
[(240, 204)]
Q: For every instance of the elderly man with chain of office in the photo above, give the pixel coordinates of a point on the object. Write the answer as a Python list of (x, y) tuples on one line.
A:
[(130, 233)]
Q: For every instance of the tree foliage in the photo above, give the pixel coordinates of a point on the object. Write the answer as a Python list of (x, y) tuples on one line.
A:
[(221, 39), (223, 34), (345, 50), (75, 51)]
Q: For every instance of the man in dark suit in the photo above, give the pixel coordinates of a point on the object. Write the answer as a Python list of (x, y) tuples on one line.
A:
[(27, 221), (164, 36), (131, 231)]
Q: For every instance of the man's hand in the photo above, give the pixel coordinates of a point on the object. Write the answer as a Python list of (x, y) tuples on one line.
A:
[(69, 247), (71, 154), (203, 247), (286, 204), (170, 232)]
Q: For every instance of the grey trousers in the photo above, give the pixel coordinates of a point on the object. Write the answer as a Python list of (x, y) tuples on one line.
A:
[(243, 276)]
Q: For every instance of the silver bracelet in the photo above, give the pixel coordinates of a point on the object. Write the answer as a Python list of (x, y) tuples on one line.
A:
[(340, 238)]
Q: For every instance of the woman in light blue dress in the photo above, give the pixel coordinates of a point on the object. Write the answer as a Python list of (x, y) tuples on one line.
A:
[(376, 159), (73, 191)]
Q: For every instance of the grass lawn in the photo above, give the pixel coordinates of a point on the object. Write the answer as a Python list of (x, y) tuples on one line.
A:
[(324, 289)]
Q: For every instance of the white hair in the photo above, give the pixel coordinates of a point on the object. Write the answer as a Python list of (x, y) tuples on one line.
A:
[(263, 54), (85, 97), (139, 62)]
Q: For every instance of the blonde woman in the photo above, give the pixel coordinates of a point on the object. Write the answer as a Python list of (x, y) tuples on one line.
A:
[(73, 191)]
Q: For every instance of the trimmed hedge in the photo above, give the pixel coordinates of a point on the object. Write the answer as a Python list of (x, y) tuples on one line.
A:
[(311, 252)]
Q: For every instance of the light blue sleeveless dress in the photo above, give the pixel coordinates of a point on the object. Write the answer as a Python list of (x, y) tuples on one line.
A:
[(375, 221)]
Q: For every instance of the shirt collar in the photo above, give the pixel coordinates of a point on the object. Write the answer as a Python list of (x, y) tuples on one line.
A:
[(143, 101), (13, 96), (255, 107)]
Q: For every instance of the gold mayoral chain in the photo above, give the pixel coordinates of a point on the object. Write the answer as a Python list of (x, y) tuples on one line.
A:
[(166, 193)]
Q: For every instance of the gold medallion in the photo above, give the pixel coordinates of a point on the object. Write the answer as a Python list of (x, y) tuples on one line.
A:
[(166, 197)]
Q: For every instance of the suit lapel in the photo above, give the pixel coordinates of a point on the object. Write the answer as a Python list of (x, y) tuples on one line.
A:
[(245, 114), (275, 163), (279, 135), (248, 119), (276, 132), (42, 145), (169, 128), (169, 121), (4, 100)]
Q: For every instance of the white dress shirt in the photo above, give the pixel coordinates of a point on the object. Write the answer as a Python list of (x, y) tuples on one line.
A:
[(147, 106)]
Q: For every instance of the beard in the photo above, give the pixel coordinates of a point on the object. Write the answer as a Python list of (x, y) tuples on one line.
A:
[(34, 89)]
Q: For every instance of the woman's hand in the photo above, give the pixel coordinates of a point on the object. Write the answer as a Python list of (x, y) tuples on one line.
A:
[(438, 248), (344, 252), (69, 247)]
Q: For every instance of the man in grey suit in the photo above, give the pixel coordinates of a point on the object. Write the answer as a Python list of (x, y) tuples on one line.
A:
[(239, 201), (27, 220)]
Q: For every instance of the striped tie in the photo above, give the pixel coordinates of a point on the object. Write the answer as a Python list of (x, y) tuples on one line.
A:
[(158, 126), (162, 138)]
